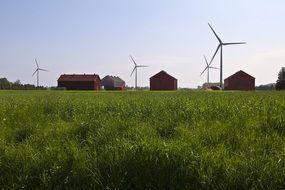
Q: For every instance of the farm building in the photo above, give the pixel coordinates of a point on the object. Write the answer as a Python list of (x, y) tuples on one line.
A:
[(239, 81), (113, 83), (79, 82), (163, 81)]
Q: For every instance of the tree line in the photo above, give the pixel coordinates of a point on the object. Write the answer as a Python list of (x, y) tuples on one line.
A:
[(5, 84)]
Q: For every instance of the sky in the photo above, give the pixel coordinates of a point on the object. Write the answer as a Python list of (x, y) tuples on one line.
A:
[(97, 36)]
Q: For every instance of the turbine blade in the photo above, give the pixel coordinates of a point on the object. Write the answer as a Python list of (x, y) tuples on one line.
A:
[(215, 54), (42, 70), (35, 72), (142, 66), (37, 63), (133, 60), (203, 71), (213, 67), (215, 33), (237, 43), (206, 61), (133, 71)]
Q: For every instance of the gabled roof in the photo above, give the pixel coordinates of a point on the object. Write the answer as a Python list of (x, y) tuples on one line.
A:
[(239, 73), (163, 73), (79, 77), (114, 78)]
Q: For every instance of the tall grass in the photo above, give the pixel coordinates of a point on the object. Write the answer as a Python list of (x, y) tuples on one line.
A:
[(142, 140)]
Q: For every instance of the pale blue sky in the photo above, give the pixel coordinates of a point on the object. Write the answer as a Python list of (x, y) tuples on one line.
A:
[(90, 36)]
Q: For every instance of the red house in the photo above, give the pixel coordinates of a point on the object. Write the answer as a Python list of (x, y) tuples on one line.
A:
[(239, 81), (163, 81), (79, 82)]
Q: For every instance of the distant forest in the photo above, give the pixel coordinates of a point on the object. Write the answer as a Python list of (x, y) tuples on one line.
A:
[(7, 85), (266, 87)]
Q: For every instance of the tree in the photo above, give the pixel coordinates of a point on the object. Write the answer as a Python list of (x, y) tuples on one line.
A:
[(5, 84), (280, 84), (18, 82)]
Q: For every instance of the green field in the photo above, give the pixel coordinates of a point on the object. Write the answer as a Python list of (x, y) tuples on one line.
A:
[(142, 140)]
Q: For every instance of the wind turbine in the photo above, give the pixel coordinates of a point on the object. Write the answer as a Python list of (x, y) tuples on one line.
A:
[(38, 72), (220, 46), (136, 70), (208, 67)]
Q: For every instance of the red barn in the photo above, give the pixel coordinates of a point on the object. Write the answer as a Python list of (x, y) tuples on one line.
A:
[(239, 81), (79, 82), (163, 81)]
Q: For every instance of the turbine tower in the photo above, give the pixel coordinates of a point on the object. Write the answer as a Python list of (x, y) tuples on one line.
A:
[(38, 72), (220, 46), (208, 67), (136, 71)]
